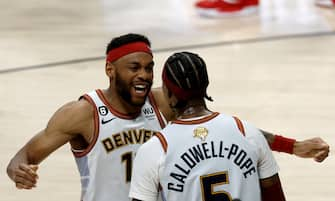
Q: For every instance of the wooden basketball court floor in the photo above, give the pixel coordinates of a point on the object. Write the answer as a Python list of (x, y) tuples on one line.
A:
[(275, 68)]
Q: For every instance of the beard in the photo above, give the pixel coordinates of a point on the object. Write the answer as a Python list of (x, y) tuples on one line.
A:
[(123, 89)]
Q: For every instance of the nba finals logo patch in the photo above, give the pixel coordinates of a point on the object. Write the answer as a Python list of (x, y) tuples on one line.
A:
[(201, 133)]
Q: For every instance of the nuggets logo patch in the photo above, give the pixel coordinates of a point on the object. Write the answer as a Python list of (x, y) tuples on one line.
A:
[(201, 133)]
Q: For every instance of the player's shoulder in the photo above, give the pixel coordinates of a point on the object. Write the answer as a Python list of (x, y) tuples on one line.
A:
[(253, 134), (73, 112), (250, 128), (162, 103), (151, 151), (71, 118), (152, 145), (80, 107), (247, 128)]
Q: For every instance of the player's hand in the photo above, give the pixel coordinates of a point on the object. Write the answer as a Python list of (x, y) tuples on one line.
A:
[(314, 148), (25, 176)]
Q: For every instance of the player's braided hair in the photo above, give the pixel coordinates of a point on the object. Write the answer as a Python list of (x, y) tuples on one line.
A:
[(125, 39), (188, 72)]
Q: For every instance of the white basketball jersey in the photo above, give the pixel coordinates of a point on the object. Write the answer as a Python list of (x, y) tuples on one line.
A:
[(209, 159), (105, 167)]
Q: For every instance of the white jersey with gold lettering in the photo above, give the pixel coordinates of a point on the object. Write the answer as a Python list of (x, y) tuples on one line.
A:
[(211, 158), (105, 166)]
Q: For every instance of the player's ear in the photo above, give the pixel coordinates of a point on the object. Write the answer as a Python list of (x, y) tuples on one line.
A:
[(109, 69), (167, 92), (172, 99)]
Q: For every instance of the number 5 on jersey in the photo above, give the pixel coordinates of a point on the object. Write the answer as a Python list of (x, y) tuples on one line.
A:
[(208, 182)]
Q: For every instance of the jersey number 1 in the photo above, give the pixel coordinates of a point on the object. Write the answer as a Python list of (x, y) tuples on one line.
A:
[(128, 159), (208, 182)]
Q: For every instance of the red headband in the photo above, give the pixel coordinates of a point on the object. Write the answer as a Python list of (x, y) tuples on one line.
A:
[(180, 93), (123, 50)]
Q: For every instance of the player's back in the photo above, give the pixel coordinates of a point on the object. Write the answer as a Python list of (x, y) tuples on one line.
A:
[(209, 159)]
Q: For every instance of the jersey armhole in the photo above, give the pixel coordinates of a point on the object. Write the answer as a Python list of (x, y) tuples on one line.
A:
[(81, 153), (162, 140), (239, 125)]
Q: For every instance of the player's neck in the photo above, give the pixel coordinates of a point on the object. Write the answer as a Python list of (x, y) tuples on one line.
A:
[(194, 110)]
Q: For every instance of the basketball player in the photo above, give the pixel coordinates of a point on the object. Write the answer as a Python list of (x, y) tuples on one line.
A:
[(202, 155), (106, 127)]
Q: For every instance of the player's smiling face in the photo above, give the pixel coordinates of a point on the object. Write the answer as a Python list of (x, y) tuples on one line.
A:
[(134, 77)]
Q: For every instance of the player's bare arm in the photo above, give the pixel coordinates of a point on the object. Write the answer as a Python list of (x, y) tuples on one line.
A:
[(271, 189), (315, 148), (69, 122)]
